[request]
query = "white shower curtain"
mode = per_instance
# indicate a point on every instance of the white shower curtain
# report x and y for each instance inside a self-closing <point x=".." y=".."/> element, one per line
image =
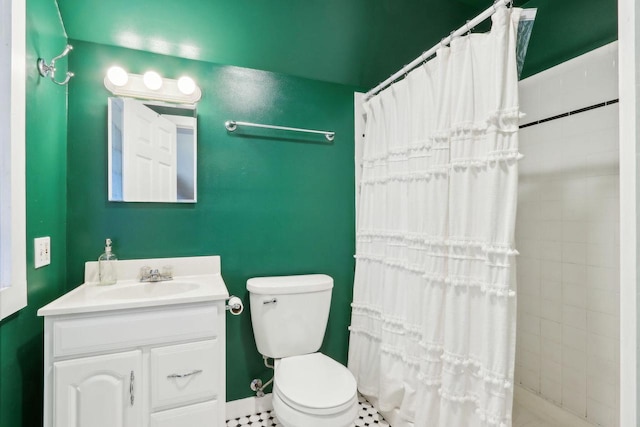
<point x="433" y="313"/>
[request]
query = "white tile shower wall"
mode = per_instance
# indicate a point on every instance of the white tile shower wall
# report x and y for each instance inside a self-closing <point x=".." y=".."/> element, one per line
<point x="586" y="80"/>
<point x="568" y="238"/>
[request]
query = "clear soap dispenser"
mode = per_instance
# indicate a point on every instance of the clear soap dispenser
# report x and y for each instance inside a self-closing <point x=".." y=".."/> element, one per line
<point x="107" y="265"/>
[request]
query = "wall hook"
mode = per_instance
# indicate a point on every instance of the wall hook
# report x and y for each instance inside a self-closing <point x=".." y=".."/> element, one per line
<point x="50" y="69"/>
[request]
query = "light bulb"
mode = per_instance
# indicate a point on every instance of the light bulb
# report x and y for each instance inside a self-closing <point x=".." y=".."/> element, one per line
<point x="117" y="75"/>
<point x="186" y="85"/>
<point x="152" y="80"/>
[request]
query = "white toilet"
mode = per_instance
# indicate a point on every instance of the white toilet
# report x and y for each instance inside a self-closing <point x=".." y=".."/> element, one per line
<point x="289" y="316"/>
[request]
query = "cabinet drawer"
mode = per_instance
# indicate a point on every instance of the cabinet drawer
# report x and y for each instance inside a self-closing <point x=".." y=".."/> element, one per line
<point x="104" y="332"/>
<point x="199" y="415"/>
<point x="184" y="373"/>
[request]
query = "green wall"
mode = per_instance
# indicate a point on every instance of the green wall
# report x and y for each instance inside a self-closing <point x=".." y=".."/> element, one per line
<point x="21" y="339"/>
<point x="354" y="42"/>
<point x="566" y="29"/>
<point x="268" y="204"/>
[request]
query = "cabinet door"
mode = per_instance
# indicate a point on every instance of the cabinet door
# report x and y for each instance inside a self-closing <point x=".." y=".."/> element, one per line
<point x="100" y="391"/>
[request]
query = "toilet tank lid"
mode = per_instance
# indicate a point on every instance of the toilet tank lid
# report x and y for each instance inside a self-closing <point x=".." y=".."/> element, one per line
<point x="290" y="284"/>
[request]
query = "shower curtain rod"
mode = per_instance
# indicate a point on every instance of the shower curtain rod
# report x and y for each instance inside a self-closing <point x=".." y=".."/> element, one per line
<point x="426" y="55"/>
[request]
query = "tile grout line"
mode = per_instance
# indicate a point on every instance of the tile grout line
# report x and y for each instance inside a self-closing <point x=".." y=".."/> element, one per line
<point x="570" y="113"/>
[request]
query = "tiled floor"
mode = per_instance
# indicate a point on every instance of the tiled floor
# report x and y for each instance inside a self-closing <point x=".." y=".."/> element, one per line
<point x="367" y="416"/>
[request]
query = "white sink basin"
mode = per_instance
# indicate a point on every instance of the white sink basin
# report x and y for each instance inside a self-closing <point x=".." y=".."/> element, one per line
<point x="196" y="279"/>
<point x="138" y="291"/>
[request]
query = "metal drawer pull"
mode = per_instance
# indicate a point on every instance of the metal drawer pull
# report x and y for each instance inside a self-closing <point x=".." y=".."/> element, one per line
<point x="270" y="301"/>
<point x="188" y="374"/>
<point x="132" y="388"/>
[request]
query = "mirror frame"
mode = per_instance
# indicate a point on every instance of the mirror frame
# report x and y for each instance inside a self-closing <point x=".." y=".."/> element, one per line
<point x="160" y="104"/>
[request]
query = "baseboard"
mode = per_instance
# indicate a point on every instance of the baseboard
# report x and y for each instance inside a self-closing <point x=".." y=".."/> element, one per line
<point x="248" y="406"/>
<point x="546" y="410"/>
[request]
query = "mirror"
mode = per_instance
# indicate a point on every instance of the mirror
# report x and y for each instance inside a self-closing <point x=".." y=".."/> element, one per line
<point x="152" y="151"/>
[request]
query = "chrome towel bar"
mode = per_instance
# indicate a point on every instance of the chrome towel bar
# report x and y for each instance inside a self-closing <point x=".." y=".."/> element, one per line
<point x="232" y="125"/>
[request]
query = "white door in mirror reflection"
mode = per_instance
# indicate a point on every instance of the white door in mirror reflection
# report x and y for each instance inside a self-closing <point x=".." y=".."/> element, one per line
<point x="151" y="155"/>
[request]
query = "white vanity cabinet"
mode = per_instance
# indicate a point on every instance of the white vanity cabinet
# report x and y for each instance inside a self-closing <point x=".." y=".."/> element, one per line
<point x="138" y="355"/>
<point x="156" y="366"/>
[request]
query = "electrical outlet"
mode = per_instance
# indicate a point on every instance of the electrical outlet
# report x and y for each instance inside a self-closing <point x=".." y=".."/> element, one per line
<point x="42" y="251"/>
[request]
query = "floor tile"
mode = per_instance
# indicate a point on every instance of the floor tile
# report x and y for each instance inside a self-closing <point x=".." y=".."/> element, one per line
<point x="367" y="416"/>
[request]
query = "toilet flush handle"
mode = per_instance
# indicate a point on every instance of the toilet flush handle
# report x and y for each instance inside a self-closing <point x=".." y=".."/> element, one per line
<point x="270" y="301"/>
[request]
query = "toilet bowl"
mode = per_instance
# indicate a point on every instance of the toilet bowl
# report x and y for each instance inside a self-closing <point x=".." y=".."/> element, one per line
<point x="314" y="390"/>
<point x="289" y="317"/>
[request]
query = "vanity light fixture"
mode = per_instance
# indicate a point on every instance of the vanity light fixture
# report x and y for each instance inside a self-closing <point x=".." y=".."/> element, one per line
<point x="186" y="85"/>
<point x="117" y="75"/>
<point x="152" y="86"/>
<point x="152" y="80"/>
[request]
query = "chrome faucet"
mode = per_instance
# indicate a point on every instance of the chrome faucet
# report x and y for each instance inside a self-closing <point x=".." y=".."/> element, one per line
<point x="147" y="274"/>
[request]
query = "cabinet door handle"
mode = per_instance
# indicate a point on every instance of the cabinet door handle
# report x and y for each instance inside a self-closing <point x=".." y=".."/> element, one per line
<point x="188" y="374"/>
<point x="132" y="396"/>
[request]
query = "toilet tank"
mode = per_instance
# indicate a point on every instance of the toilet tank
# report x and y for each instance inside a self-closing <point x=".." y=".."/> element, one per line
<point x="289" y="313"/>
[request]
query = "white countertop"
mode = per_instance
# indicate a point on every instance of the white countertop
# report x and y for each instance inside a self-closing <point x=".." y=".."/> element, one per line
<point x="196" y="279"/>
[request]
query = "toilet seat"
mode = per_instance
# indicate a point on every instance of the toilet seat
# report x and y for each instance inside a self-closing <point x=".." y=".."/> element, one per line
<point x="315" y="384"/>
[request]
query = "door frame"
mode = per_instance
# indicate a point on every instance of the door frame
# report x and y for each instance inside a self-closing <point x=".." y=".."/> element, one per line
<point x="628" y="66"/>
